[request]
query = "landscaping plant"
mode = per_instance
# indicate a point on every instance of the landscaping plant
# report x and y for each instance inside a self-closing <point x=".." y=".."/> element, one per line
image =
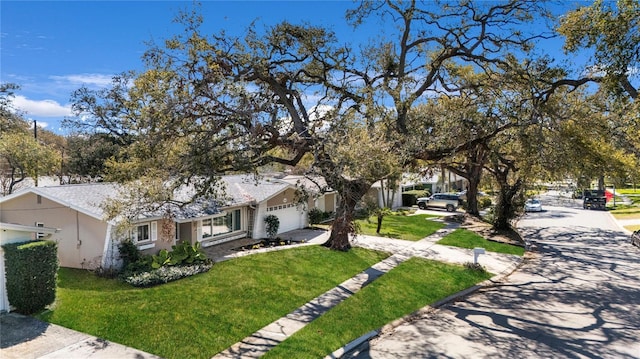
<point x="182" y="261"/>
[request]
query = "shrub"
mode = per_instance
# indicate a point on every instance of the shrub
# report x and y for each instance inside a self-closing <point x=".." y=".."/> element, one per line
<point x="151" y="269"/>
<point x="166" y="274"/>
<point x="129" y="253"/>
<point x="317" y="216"/>
<point x="31" y="271"/>
<point x="476" y="267"/>
<point x="273" y="224"/>
<point x="109" y="273"/>
<point x="484" y="202"/>
<point x="410" y="198"/>
<point x="182" y="253"/>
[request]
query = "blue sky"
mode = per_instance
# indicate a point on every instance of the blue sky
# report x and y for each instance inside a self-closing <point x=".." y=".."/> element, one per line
<point x="51" y="48"/>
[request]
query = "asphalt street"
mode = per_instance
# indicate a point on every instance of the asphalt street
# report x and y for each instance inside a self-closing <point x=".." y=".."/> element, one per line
<point x="577" y="295"/>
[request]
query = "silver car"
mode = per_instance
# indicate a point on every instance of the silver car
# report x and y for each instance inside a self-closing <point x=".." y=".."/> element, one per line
<point x="533" y="205"/>
<point x="447" y="201"/>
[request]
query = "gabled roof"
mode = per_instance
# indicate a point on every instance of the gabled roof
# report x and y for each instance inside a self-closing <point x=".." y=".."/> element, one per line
<point x="29" y="229"/>
<point x="90" y="198"/>
<point x="85" y="198"/>
<point x="248" y="189"/>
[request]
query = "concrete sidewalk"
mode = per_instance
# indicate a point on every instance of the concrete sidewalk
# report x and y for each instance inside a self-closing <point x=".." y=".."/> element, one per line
<point x="24" y="337"/>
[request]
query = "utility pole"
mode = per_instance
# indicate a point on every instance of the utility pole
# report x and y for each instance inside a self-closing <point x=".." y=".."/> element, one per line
<point x="35" y="136"/>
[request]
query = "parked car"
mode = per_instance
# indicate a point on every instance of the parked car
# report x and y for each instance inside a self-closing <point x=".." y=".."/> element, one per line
<point x="447" y="201"/>
<point x="533" y="205"/>
<point x="594" y="199"/>
<point x="635" y="238"/>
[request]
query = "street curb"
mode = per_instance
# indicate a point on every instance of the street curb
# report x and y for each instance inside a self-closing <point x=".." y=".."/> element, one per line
<point x="349" y="347"/>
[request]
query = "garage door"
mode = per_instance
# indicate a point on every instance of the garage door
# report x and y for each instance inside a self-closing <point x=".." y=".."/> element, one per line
<point x="290" y="217"/>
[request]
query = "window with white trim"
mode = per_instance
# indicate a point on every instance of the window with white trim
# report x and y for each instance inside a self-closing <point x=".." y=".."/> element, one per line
<point x="216" y="226"/>
<point x="145" y="232"/>
<point x="40" y="235"/>
<point x="282" y="206"/>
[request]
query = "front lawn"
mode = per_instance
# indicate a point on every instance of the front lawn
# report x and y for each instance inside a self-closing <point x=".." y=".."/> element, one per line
<point x="411" y="228"/>
<point x="199" y="316"/>
<point x="467" y="239"/>
<point x="410" y="286"/>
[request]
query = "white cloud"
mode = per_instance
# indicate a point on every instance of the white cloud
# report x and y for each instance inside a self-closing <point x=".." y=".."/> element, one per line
<point x="100" y="80"/>
<point x="41" y="124"/>
<point x="43" y="108"/>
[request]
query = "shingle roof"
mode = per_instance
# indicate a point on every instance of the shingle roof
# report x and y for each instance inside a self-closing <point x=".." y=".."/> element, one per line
<point x="87" y="198"/>
<point x="91" y="197"/>
<point x="315" y="184"/>
<point x="243" y="188"/>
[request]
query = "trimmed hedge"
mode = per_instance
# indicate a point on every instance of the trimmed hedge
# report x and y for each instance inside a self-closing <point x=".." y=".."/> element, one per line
<point x="410" y="198"/>
<point x="31" y="271"/>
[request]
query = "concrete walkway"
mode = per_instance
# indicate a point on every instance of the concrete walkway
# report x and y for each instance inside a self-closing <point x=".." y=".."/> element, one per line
<point x="24" y="337"/>
<point x="268" y="337"/>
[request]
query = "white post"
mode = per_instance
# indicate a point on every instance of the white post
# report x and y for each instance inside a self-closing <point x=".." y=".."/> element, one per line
<point x="476" y="253"/>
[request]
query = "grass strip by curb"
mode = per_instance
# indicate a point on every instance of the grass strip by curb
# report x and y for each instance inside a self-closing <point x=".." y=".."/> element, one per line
<point x="464" y="238"/>
<point x="410" y="228"/>
<point x="410" y="286"/>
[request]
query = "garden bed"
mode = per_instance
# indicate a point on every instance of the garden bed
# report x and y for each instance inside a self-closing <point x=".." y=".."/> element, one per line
<point x="266" y="243"/>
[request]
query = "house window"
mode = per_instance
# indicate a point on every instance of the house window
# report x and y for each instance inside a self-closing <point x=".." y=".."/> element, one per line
<point x="216" y="226"/>
<point x="145" y="232"/>
<point x="40" y="235"/>
<point x="142" y="233"/>
<point x="236" y="220"/>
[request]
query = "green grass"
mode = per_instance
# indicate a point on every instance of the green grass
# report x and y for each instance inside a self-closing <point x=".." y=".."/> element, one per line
<point x="200" y="316"/>
<point x="410" y="286"/>
<point x="628" y="191"/>
<point x="411" y="228"/>
<point x="467" y="239"/>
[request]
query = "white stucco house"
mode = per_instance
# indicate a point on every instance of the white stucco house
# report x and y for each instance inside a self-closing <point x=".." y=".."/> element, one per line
<point x="436" y="182"/>
<point x="88" y="240"/>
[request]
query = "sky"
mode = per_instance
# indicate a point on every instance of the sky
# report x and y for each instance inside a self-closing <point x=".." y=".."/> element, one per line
<point x="51" y="48"/>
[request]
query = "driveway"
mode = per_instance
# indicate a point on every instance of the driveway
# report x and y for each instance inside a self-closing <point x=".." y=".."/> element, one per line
<point x="576" y="296"/>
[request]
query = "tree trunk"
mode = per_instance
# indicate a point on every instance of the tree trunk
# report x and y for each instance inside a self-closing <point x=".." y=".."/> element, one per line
<point x="349" y="194"/>
<point x="601" y="183"/>
<point x="472" y="191"/>
<point x="471" y="170"/>
<point x="505" y="209"/>
<point x="380" y="217"/>
<point x="15" y="181"/>
<point x="341" y="228"/>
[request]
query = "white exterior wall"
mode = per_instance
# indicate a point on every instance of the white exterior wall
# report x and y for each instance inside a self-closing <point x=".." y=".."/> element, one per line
<point x="290" y="218"/>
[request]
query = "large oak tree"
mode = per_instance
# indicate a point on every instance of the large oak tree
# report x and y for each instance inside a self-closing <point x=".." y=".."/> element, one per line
<point x="211" y="103"/>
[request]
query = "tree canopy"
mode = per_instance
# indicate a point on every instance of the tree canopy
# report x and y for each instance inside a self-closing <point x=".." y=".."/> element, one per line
<point x="455" y="82"/>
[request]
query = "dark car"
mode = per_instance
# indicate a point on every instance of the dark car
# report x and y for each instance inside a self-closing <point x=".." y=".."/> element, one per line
<point x="594" y="199"/>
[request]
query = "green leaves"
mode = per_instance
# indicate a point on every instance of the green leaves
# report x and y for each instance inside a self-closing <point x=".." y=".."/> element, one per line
<point x="611" y="30"/>
<point x="25" y="157"/>
<point x="181" y="253"/>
